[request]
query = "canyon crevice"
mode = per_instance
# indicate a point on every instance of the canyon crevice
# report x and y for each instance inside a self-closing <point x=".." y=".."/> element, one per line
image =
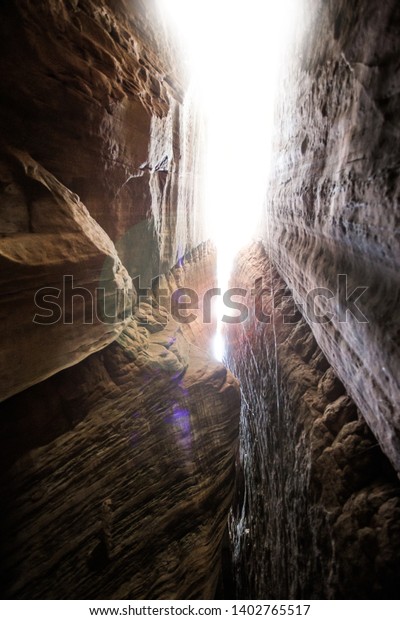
<point x="133" y="464"/>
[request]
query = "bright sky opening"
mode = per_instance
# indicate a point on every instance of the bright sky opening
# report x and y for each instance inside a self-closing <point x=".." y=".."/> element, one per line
<point x="232" y="49"/>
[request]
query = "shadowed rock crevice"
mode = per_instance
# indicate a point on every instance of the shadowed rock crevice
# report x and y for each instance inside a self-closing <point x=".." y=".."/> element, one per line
<point x="123" y="488"/>
<point x="313" y="485"/>
<point x="120" y="474"/>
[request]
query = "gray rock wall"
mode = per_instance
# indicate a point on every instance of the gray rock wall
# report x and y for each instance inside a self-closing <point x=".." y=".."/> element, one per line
<point x="332" y="204"/>
<point x="317" y="506"/>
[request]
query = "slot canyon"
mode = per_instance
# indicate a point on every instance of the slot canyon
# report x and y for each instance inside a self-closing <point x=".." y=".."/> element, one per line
<point x="134" y="463"/>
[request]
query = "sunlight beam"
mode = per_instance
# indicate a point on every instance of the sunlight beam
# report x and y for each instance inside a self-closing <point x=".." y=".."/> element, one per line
<point x="232" y="51"/>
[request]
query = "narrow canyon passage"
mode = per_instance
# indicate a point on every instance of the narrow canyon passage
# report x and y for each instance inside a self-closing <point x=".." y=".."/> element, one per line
<point x="199" y="250"/>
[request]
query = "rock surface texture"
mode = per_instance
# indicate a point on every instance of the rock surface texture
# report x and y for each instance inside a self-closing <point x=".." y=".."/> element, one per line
<point x="317" y="505"/>
<point x="334" y="193"/>
<point x="93" y="105"/>
<point x="118" y="461"/>
<point x="118" y="432"/>
<point x="117" y="474"/>
<point x="64" y="291"/>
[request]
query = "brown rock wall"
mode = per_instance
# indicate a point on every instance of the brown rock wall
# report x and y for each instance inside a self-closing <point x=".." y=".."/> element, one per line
<point x="92" y="99"/>
<point x="317" y="507"/>
<point x="52" y="252"/>
<point x="333" y="198"/>
<point x="117" y="474"/>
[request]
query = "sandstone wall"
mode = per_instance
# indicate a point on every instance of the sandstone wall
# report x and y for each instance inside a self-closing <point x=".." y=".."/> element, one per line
<point x="117" y="474"/>
<point x="333" y="199"/>
<point x="64" y="291"/>
<point x="117" y="464"/>
<point x="317" y="505"/>
<point x="93" y="106"/>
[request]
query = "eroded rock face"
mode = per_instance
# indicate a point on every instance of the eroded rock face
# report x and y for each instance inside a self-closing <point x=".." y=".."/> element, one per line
<point x="117" y="474"/>
<point x="95" y="114"/>
<point x="94" y="92"/>
<point x="195" y="277"/>
<point x="333" y="199"/>
<point x="317" y="507"/>
<point x="64" y="290"/>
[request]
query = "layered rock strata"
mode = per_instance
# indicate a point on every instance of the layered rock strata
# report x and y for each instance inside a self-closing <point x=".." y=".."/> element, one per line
<point x="333" y="199"/>
<point x="317" y="506"/>
<point x="94" y="120"/>
<point x="64" y="290"/>
<point x="95" y="92"/>
<point x="192" y="281"/>
<point x="118" y="463"/>
<point x="117" y="473"/>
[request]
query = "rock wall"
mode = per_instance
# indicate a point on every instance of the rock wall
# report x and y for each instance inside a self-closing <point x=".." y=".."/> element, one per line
<point x="64" y="291"/>
<point x="193" y="276"/>
<point x="333" y="199"/>
<point x="317" y="506"/>
<point x="117" y="463"/>
<point x="117" y="474"/>
<point x="94" y="102"/>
